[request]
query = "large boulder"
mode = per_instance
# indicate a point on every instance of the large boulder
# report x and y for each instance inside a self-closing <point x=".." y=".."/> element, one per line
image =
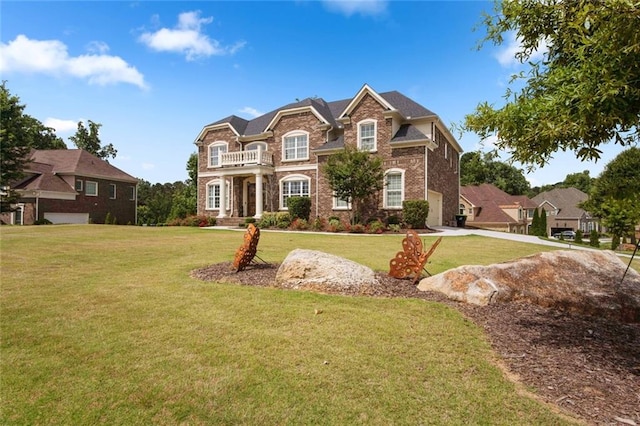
<point x="586" y="282"/>
<point x="325" y="273"/>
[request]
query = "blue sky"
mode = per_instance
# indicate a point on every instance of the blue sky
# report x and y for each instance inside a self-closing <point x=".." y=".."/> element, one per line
<point x="154" y="73"/>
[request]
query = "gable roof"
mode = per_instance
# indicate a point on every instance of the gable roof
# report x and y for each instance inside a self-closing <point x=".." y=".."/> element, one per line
<point x="328" y="112"/>
<point x="45" y="168"/>
<point x="490" y="202"/>
<point x="566" y="200"/>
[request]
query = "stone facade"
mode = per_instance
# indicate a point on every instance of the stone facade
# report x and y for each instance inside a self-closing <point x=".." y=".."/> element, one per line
<point x="429" y="162"/>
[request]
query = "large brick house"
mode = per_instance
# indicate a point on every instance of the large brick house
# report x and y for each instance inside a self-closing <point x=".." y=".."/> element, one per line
<point x="247" y="167"/>
<point x="72" y="186"/>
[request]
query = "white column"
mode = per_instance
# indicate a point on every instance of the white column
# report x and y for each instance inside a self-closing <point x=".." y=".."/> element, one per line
<point x="258" y="196"/>
<point x="223" y="197"/>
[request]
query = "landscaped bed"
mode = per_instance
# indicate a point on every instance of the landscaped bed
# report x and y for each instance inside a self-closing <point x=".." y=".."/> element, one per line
<point x="589" y="367"/>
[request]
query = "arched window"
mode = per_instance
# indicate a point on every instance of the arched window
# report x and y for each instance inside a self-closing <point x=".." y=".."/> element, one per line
<point x="253" y="146"/>
<point x="295" y="146"/>
<point x="216" y="149"/>
<point x="367" y="130"/>
<point x="393" y="188"/>
<point x="213" y="195"/>
<point x="293" y="186"/>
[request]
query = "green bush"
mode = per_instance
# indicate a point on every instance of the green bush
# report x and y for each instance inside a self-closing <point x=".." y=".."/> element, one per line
<point x="299" y="207"/>
<point x="248" y="220"/>
<point x="42" y="222"/>
<point x="594" y="239"/>
<point x="319" y="224"/>
<point x="578" y="239"/>
<point x="107" y="219"/>
<point x="268" y="220"/>
<point x="393" y="220"/>
<point x="394" y="227"/>
<point x="335" y="225"/>
<point x="415" y="213"/>
<point x="375" y="227"/>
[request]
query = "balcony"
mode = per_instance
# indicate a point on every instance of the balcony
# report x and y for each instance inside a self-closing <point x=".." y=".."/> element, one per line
<point x="246" y="158"/>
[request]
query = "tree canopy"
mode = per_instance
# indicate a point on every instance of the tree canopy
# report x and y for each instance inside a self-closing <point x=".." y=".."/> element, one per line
<point x="615" y="194"/>
<point x="586" y="90"/>
<point x="477" y="168"/>
<point x="19" y="133"/>
<point x="89" y="140"/>
<point x="354" y="176"/>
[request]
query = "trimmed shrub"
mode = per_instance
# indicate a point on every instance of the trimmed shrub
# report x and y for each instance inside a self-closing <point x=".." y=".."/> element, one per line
<point x="335" y="225"/>
<point x="268" y="220"/>
<point x="594" y="239"/>
<point x="578" y="239"/>
<point x="394" y="227"/>
<point x="375" y="227"/>
<point x="415" y="213"/>
<point x="319" y="224"/>
<point x="299" y="207"/>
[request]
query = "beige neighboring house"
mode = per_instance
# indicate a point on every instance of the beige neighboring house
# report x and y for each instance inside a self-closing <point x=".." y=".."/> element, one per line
<point x="247" y="167"/>
<point x="488" y="207"/>
<point x="564" y="213"/>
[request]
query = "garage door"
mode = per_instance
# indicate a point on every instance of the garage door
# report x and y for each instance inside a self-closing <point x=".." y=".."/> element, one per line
<point x="435" y="208"/>
<point x="67" y="217"/>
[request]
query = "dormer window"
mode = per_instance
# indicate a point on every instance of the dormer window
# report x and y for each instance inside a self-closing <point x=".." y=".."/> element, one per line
<point x="295" y="146"/>
<point x="216" y="150"/>
<point x="367" y="135"/>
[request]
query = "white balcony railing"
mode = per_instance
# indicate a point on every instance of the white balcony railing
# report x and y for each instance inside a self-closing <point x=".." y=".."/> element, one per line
<point x="247" y="158"/>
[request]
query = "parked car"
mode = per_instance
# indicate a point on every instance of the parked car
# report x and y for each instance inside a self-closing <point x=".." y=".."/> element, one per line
<point x="565" y="235"/>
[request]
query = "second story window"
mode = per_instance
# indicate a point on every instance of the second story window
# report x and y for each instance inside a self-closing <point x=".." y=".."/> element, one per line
<point x="91" y="188"/>
<point x="295" y="146"/>
<point x="216" y="150"/>
<point x="79" y="185"/>
<point x="367" y="136"/>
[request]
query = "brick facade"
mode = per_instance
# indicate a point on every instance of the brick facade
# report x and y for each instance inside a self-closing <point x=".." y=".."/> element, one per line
<point x="429" y="165"/>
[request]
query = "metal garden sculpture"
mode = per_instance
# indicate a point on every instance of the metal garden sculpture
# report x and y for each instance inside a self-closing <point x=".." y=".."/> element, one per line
<point x="411" y="260"/>
<point x="247" y="251"/>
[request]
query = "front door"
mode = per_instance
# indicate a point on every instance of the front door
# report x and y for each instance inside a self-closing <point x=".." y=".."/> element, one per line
<point x="251" y="199"/>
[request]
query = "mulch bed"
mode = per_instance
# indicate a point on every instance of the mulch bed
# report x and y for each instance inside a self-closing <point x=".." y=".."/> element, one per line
<point x="588" y="367"/>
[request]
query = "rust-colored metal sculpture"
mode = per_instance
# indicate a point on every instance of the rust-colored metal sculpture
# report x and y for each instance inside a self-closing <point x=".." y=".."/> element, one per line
<point x="247" y="251"/>
<point x="411" y="259"/>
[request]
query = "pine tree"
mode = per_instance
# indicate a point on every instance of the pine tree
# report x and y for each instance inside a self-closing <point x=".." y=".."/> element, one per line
<point x="535" y="223"/>
<point x="543" y="223"/>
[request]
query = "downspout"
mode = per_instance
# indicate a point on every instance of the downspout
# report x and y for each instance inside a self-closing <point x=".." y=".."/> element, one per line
<point x="37" y="194"/>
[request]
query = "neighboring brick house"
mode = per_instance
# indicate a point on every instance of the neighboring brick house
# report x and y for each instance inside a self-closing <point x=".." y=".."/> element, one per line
<point x="72" y="186"/>
<point x="252" y="166"/>
<point x="563" y="211"/>
<point x="488" y="207"/>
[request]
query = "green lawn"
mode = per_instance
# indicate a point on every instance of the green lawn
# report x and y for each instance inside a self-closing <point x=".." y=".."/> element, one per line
<point x="103" y="325"/>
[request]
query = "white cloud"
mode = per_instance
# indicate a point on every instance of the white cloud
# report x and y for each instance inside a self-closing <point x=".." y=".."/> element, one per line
<point x="51" y="57"/>
<point x="352" y="7"/>
<point x="187" y="38"/>
<point x="62" y="126"/>
<point x="251" y="111"/>
<point x="506" y="55"/>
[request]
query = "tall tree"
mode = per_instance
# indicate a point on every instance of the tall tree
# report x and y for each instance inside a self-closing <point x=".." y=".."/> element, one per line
<point x="615" y="194"/>
<point x="477" y="168"/>
<point x="581" y="181"/>
<point x="354" y="176"/>
<point x="586" y="90"/>
<point x="89" y="140"/>
<point x="19" y="133"/>
<point x="184" y="199"/>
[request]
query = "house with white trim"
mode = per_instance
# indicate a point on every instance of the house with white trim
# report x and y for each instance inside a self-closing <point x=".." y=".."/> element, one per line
<point x="247" y="167"/>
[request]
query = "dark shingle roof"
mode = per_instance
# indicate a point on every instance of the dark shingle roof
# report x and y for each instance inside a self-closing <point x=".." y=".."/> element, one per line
<point x="566" y="200"/>
<point x="337" y="143"/>
<point x="408" y="132"/>
<point x="407" y="107"/>
<point x="330" y="111"/>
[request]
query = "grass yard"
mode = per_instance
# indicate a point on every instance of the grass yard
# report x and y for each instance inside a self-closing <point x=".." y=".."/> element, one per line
<point x="103" y="325"/>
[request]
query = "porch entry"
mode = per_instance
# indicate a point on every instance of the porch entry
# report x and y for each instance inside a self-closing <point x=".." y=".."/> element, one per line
<point x="249" y="199"/>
